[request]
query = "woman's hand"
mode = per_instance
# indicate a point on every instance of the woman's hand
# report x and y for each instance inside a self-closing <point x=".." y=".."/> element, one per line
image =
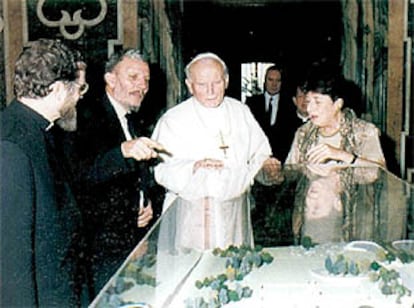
<point x="322" y="153"/>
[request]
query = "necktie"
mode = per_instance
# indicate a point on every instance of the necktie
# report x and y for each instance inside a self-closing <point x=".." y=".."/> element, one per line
<point x="140" y="198"/>
<point x="132" y="124"/>
<point x="270" y="109"/>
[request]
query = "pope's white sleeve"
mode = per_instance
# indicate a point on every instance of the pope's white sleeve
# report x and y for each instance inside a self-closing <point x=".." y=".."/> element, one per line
<point x="174" y="172"/>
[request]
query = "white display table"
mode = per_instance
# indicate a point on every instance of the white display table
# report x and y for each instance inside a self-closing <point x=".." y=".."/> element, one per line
<point x="160" y="273"/>
<point x="297" y="278"/>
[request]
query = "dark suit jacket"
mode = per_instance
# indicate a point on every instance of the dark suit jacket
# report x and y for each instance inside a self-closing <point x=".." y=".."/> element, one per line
<point x="107" y="187"/>
<point x="282" y="132"/>
<point x="39" y="220"/>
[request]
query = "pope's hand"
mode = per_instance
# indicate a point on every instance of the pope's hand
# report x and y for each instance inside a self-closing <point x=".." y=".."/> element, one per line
<point x="142" y="148"/>
<point x="272" y="168"/>
<point x="145" y="215"/>
<point x="208" y="163"/>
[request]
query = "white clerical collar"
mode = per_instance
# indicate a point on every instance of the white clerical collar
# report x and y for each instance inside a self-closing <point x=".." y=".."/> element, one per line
<point x="302" y="117"/>
<point x="51" y="124"/>
<point x="209" y="109"/>
<point x="213" y="118"/>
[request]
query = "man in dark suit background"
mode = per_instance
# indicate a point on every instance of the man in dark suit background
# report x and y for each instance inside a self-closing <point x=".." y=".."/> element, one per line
<point x="273" y="110"/>
<point x="276" y="114"/>
<point x="40" y="222"/>
<point x="115" y="186"/>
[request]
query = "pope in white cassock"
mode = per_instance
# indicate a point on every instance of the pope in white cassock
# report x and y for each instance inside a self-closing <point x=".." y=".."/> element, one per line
<point x="218" y="149"/>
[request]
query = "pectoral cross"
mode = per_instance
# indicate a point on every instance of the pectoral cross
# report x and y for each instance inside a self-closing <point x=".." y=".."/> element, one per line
<point x="223" y="145"/>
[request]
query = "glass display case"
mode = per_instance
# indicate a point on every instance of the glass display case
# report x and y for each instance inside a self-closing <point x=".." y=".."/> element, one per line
<point x="346" y="224"/>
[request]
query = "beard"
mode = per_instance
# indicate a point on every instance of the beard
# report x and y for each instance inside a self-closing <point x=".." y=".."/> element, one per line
<point x="68" y="122"/>
<point x="68" y="114"/>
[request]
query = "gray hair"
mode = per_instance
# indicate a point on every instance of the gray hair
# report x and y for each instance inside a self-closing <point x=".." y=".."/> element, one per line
<point x="206" y="55"/>
<point x="120" y="55"/>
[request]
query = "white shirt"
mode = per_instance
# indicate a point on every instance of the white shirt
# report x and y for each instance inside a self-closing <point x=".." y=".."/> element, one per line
<point x="120" y="112"/>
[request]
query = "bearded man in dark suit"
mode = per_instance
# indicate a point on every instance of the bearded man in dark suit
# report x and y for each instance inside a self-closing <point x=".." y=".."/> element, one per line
<point x="40" y="222"/>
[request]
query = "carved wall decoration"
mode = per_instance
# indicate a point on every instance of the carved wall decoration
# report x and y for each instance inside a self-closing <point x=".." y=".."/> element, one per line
<point x="66" y="20"/>
<point x="76" y="21"/>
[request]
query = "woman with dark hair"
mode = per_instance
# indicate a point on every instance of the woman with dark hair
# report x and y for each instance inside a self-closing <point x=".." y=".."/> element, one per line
<point x="333" y="133"/>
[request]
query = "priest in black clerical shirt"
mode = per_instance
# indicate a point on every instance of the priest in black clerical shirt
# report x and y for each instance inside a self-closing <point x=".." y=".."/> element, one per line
<point x="112" y="158"/>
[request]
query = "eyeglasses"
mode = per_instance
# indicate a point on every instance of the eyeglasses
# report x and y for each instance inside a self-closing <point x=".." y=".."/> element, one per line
<point x="83" y="88"/>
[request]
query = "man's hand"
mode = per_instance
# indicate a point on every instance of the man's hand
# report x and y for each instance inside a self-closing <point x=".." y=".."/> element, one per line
<point x="142" y="148"/>
<point x="144" y="215"/>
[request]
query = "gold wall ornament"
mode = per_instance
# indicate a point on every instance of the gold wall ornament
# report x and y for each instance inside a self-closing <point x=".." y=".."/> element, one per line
<point x="68" y="21"/>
